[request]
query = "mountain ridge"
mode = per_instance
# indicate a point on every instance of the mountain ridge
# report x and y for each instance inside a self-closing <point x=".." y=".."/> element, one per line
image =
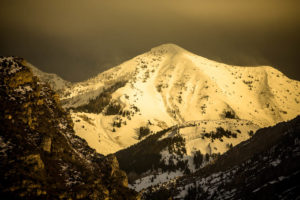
<point x="169" y="85"/>
<point x="56" y="82"/>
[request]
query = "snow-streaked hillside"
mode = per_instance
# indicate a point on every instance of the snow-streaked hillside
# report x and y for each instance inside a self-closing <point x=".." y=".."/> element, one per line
<point x="169" y="85"/>
<point x="181" y="150"/>
<point x="263" y="167"/>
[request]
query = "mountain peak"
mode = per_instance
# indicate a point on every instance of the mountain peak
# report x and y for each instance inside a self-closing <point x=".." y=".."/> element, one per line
<point x="168" y="48"/>
<point x="169" y="85"/>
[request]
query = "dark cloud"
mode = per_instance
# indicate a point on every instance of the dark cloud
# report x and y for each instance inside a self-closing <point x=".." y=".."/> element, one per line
<point x="78" y="39"/>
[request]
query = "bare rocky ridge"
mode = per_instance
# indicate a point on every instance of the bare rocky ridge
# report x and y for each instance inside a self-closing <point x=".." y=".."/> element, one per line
<point x="41" y="157"/>
<point x="56" y="83"/>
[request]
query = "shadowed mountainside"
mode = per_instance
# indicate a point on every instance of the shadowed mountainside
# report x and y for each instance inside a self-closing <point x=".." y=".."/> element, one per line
<point x="263" y="167"/>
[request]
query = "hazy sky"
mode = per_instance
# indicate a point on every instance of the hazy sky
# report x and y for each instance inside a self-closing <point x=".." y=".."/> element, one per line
<point x="78" y="39"/>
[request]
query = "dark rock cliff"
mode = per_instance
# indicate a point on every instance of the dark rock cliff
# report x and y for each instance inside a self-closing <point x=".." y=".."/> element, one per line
<point x="41" y="157"/>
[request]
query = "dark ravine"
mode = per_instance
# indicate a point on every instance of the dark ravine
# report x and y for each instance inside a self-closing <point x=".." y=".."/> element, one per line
<point x="267" y="166"/>
<point x="41" y="157"/>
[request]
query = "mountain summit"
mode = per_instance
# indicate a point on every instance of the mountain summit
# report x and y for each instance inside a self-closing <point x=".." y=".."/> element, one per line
<point x="169" y="85"/>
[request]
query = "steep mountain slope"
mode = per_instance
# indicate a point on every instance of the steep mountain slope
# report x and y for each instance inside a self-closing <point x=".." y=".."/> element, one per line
<point x="56" y="83"/>
<point x="263" y="167"/>
<point x="181" y="150"/>
<point x="41" y="157"/>
<point x="169" y="85"/>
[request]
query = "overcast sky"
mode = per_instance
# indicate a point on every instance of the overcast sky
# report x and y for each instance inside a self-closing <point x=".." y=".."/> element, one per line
<point x="77" y="39"/>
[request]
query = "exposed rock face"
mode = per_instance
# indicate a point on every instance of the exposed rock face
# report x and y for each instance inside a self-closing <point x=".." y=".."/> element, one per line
<point x="35" y="161"/>
<point x="46" y="144"/>
<point x="41" y="158"/>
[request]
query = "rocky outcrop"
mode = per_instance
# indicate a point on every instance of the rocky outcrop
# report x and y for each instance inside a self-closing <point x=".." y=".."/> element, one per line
<point x="41" y="158"/>
<point x="46" y="144"/>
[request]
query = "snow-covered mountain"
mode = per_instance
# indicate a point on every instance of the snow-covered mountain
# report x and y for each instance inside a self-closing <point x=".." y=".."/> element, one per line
<point x="172" y="112"/>
<point x="221" y="155"/>
<point x="168" y="86"/>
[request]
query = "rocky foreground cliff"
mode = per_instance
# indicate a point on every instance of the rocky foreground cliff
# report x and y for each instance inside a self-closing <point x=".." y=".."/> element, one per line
<point x="41" y="157"/>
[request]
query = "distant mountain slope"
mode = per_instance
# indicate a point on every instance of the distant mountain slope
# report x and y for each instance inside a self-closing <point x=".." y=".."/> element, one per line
<point x="267" y="166"/>
<point x="169" y="85"/>
<point x="56" y="83"/>
<point x="41" y="157"/>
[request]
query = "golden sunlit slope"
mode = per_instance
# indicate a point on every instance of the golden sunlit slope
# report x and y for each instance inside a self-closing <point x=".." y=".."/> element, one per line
<point x="169" y="85"/>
